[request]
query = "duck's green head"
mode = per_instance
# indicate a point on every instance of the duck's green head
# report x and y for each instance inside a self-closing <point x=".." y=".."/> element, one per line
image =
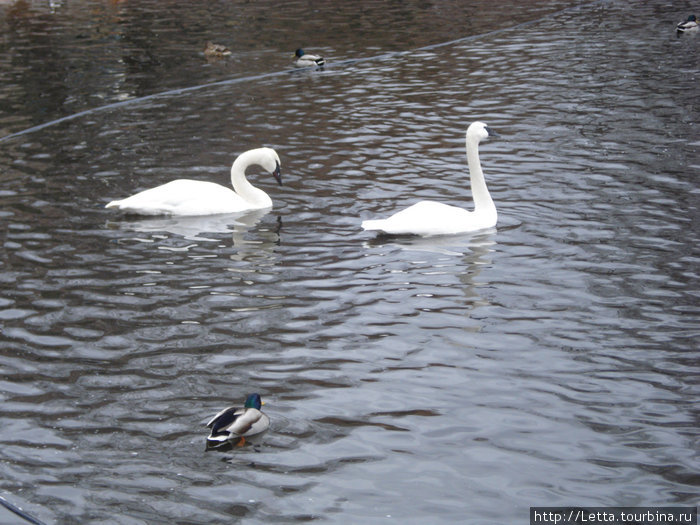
<point x="253" y="401"/>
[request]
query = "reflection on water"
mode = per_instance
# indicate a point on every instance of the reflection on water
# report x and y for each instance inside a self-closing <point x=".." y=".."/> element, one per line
<point x="454" y="379"/>
<point x="190" y="227"/>
<point x="476" y="243"/>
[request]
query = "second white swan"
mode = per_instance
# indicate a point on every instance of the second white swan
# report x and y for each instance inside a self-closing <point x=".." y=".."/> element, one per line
<point x="194" y="197"/>
<point x="435" y="218"/>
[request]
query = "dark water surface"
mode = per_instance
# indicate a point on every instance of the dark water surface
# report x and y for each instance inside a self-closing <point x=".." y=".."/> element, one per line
<point x="550" y="361"/>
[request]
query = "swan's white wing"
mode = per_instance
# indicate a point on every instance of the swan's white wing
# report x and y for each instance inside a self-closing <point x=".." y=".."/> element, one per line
<point x="423" y="218"/>
<point x="182" y="197"/>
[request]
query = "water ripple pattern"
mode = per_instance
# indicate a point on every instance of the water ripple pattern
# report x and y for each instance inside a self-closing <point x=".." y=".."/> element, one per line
<point x="550" y="361"/>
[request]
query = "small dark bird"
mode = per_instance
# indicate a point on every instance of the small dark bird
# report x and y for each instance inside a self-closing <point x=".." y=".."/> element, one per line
<point x="212" y="50"/>
<point x="301" y="59"/>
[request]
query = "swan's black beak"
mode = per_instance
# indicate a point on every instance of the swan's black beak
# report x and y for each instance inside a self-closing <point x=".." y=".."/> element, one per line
<point x="491" y="132"/>
<point x="277" y="174"/>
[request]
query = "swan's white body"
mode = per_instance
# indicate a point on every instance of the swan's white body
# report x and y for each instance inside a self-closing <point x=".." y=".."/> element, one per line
<point x="435" y="218"/>
<point x="301" y="59"/>
<point x="193" y="197"/>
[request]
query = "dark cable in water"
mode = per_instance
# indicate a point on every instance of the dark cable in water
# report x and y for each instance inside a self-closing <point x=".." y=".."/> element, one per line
<point x="14" y="508"/>
<point x="230" y="81"/>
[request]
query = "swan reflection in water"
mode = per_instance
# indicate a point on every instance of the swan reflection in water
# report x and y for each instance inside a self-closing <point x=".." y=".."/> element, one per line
<point x="197" y="228"/>
<point x="461" y="244"/>
<point x="453" y="264"/>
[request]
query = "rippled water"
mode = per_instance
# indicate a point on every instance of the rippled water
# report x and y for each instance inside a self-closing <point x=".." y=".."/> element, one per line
<point x="552" y="361"/>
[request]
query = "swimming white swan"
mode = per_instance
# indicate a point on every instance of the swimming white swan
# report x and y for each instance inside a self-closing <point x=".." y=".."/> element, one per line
<point x="301" y="59"/>
<point x="434" y="218"/>
<point x="193" y="197"/>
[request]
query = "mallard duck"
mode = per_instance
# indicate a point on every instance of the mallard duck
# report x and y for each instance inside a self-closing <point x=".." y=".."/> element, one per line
<point x="234" y="424"/>
<point x="691" y="24"/>
<point x="212" y="50"/>
<point x="301" y="59"/>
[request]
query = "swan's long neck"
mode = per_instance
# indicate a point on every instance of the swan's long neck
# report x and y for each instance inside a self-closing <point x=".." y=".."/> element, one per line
<point x="241" y="186"/>
<point x="482" y="198"/>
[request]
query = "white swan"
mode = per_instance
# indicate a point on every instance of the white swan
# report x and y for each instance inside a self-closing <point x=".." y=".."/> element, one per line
<point x="434" y="218"/>
<point x="301" y="59"/>
<point x="193" y="197"/>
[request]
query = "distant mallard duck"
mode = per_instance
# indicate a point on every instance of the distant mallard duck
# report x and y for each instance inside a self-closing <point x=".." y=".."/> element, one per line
<point x="301" y="59"/>
<point x="234" y="424"/>
<point x="212" y="50"/>
<point x="691" y="24"/>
